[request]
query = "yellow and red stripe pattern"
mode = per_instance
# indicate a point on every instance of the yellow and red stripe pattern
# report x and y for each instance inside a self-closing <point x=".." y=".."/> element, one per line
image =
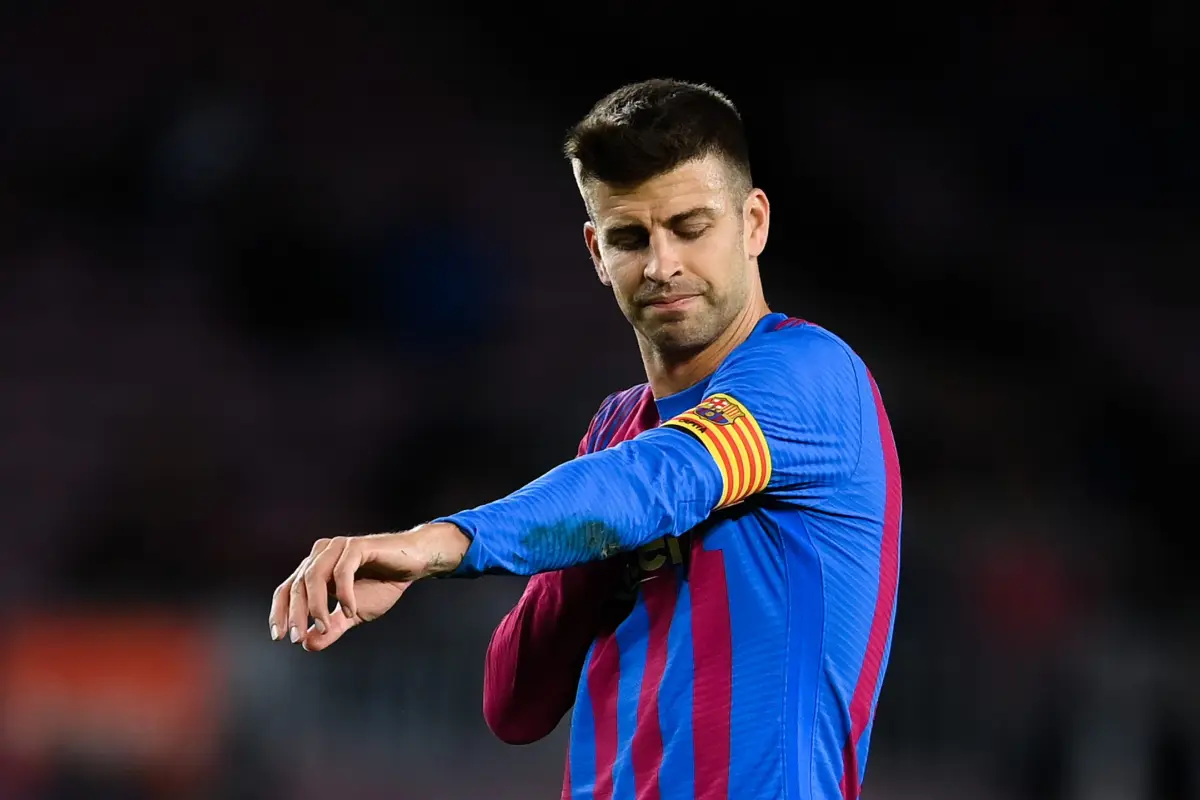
<point x="736" y="442"/>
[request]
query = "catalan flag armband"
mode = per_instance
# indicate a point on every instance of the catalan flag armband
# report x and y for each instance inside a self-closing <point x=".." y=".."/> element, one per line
<point x="732" y="436"/>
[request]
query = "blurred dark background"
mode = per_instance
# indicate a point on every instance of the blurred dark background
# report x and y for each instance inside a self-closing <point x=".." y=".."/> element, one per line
<point x="268" y="274"/>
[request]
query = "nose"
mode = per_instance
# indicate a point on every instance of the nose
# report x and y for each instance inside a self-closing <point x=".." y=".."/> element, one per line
<point x="664" y="263"/>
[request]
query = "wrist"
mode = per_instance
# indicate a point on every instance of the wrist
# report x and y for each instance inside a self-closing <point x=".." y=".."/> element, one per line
<point x="440" y="547"/>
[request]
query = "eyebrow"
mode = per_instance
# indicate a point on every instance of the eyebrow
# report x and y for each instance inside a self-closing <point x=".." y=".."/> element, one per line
<point x="677" y="219"/>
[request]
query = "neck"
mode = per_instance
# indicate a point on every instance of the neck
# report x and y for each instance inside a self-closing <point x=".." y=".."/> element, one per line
<point x="669" y="374"/>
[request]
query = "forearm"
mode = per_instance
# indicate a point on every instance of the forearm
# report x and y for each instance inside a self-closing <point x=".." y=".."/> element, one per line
<point x="593" y="508"/>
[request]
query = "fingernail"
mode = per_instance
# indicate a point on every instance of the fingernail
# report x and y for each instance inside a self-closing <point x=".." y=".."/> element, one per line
<point x="295" y="634"/>
<point x="320" y="626"/>
<point x="274" y="633"/>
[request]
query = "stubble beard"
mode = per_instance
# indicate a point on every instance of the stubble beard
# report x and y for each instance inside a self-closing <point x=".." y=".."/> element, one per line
<point x="673" y="341"/>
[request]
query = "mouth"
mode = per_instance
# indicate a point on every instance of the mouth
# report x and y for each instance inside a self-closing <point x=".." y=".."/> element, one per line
<point x="673" y="302"/>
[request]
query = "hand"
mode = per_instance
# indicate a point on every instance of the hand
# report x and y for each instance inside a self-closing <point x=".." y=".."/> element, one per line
<point x="367" y="574"/>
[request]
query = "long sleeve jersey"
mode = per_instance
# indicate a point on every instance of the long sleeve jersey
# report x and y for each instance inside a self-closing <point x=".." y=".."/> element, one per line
<point x="752" y="524"/>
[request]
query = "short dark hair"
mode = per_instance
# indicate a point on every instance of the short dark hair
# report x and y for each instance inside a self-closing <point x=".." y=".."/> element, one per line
<point x="645" y="129"/>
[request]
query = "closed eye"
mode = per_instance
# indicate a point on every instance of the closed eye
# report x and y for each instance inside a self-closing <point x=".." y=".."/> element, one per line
<point x="629" y="239"/>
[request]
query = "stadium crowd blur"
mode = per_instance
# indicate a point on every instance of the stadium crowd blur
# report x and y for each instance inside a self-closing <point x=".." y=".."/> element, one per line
<point x="267" y="279"/>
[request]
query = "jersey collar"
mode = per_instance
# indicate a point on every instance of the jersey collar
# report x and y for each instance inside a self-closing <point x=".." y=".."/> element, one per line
<point x="675" y="404"/>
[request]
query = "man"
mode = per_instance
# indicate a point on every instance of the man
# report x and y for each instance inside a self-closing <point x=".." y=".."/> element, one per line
<point x="715" y="575"/>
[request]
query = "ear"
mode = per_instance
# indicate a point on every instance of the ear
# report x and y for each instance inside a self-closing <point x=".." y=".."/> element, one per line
<point x="592" y="239"/>
<point x="756" y="222"/>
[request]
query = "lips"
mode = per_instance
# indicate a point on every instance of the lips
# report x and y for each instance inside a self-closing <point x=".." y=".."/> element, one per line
<point x="669" y="300"/>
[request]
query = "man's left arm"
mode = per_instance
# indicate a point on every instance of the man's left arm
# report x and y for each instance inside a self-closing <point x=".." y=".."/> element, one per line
<point x="783" y="416"/>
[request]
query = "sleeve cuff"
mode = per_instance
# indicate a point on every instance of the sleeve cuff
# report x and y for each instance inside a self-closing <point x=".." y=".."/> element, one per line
<point x="473" y="564"/>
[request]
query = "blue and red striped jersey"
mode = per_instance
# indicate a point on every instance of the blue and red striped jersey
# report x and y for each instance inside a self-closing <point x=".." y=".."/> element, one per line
<point x="759" y="514"/>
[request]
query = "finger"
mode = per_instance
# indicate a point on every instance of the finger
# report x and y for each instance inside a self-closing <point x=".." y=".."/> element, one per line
<point x="317" y="578"/>
<point x="297" y="621"/>
<point x="279" y="608"/>
<point x="281" y="598"/>
<point x="349" y="560"/>
<point x="339" y="623"/>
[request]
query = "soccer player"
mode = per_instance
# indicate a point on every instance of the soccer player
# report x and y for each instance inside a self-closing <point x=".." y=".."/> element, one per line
<point x="715" y="574"/>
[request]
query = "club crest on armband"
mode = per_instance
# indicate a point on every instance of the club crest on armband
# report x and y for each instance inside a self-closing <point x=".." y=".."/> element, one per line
<point x="720" y="410"/>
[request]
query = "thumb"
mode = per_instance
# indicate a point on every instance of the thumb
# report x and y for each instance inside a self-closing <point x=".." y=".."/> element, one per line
<point x="339" y="623"/>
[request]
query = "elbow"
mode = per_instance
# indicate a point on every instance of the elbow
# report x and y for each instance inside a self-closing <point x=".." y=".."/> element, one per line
<point x="515" y="711"/>
<point x="513" y="724"/>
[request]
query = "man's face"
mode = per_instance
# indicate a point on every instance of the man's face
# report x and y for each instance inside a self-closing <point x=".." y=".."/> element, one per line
<point x="678" y="251"/>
